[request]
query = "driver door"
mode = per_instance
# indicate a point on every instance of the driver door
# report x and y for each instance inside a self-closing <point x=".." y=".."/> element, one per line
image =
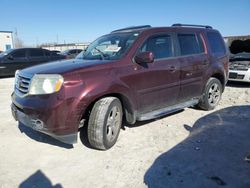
<point x="14" y="61"/>
<point x="158" y="83"/>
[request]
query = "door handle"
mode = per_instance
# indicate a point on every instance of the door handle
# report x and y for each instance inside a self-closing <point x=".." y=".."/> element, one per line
<point x="172" y="68"/>
<point x="2" y="67"/>
<point x="204" y="63"/>
<point x="189" y="74"/>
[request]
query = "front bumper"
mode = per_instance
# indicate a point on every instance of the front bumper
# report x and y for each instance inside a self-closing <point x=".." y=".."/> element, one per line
<point x="39" y="125"/>
<point x="239" y="75"/>
<point x="47" y="115"/>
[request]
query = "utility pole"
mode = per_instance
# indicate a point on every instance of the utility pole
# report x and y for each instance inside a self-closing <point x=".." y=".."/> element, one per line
<point x="37" y="42"/>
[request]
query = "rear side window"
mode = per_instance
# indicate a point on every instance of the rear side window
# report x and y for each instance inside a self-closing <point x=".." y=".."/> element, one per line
<point x="18" y="54"/>
<point x="216" y="43"/>
<point x="36" y="52"/>
<point x="161" y="46"/>
<point x="190" y="44"/>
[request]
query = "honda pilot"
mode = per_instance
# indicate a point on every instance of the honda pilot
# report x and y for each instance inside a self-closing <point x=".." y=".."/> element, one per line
<point x="132" y="74"/>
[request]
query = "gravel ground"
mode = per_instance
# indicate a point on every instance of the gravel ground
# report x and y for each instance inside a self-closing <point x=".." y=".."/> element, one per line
<point x="192" y="148"/>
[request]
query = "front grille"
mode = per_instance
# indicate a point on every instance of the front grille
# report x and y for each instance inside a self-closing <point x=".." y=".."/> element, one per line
<point x="238" y="68"/>
<point x="22" y="84"/>
<point x="233" y="75"/>
<point x="239" y="65"/>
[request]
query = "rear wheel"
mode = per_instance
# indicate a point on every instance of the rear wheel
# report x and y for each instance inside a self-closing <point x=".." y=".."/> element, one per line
<point x="104" y="123"/>
<point x="211" y="95"/>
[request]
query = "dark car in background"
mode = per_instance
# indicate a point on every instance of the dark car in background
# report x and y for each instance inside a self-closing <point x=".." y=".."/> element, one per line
<point x="14" y="59"/>
<point x="71" y="53"/>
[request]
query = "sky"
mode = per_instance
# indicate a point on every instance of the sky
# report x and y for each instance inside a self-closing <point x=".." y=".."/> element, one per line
<point x="64" y="21"/>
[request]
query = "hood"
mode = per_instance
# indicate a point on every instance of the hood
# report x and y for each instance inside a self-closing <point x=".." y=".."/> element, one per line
<point x="60" y="67"/>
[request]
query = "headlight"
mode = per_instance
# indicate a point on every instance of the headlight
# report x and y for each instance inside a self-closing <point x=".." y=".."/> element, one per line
<point x="45" y="84"/>
<point x="16" y="74"/>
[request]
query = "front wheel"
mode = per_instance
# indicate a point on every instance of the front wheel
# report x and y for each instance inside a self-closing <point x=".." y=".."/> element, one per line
<point x="211" y="95"/>
<point x="104" y="123"/>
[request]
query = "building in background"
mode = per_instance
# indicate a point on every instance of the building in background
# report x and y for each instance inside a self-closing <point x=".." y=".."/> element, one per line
<point x="62" y="47"/>
<point x="6" y="40"/>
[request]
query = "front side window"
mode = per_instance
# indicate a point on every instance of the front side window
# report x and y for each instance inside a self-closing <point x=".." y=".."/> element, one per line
<point x="190" y="44"/>
<point x="161" y="46"/>
<point x="18" y="54"/>
<point x="109" y="47"/>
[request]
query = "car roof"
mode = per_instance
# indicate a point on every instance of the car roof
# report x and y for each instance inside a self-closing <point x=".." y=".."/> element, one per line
<point x="174" y="27"/>
<point x="28" y="48"/>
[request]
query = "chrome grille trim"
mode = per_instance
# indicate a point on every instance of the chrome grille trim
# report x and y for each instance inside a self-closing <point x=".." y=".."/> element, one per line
<point x="22" y="84"/>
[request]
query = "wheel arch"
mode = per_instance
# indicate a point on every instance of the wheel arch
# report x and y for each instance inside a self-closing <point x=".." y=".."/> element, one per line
<point x="221" y="78"/>
<point x="128" y="109"/>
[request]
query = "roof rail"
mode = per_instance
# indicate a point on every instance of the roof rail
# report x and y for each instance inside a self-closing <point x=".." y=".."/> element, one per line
<point x="191" y="25"/>
<point x="132" y="28"/>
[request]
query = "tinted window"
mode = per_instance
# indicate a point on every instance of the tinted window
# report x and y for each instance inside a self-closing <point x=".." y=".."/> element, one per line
<point x="161" y="46"/>
<point x="216" y="42"/>
<point x="189" y="44"/>
<point x="36" y="52"/>
<point x="72" y="51"/>
<point x="18" y="54"/>
<point x="47" y="53"/>
<point x="54" y="53"/>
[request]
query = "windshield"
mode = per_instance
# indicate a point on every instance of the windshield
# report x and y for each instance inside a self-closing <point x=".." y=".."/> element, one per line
<point x="109" y="47"/>
<point x="5" y="53"/>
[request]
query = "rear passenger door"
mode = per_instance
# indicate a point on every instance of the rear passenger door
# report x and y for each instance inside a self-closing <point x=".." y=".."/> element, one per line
<point x="157" y="83"/>
<point x="193" y="64"/>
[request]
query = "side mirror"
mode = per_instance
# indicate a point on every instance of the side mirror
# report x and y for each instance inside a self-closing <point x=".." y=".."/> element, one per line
<point x="145" y="57"/>
<point x="10" y="57"/>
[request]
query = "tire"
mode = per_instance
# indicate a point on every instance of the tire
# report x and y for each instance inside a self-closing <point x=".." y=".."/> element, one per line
<point x="104" y="123"/>
<point x="212" y="94"/>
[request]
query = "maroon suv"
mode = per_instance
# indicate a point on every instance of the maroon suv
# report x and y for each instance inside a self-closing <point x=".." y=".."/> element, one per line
<point x="131" y="74"/>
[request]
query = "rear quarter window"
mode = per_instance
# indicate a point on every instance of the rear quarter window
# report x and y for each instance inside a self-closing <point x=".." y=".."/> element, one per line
<point x="216" y="43"/>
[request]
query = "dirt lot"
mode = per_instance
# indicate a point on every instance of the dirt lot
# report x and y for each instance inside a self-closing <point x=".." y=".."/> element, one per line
<point x="192" y="148"/>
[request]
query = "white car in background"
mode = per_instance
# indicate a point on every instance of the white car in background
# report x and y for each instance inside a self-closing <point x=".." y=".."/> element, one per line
<point x="239" y="67"/>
